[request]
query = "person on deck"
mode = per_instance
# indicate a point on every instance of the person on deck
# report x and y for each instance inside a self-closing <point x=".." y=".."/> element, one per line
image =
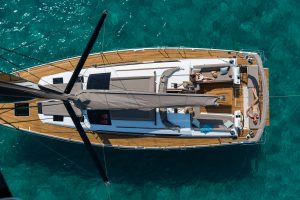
<point x="253" y="111"/>
<point x="199" y="77"/>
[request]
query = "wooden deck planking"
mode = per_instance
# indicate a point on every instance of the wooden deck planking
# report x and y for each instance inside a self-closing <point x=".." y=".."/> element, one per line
<point x="266" y="70"/>
<point x="121" y="57"/>
<point x="70" y="134"/>
<point x="33" y="124"/>
<point x="220" y="89"/>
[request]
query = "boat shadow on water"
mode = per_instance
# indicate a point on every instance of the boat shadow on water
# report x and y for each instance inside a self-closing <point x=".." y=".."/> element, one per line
<point x="183" y="166"/>
<point x="172" y="167"/>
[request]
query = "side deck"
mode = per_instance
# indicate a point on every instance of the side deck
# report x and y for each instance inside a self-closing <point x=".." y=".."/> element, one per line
<point x="32" y="123"/>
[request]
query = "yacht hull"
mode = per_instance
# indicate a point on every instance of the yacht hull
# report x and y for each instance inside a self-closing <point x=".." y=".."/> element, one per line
<point x="33" y="124"/>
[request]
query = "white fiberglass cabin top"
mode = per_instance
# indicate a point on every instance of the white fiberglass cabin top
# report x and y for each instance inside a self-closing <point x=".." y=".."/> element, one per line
<point x="174" y="76"/>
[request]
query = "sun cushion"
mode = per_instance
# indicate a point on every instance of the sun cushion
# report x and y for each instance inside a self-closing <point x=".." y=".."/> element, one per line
<point x="228" y="124"/>
<point x="223" y="70"/>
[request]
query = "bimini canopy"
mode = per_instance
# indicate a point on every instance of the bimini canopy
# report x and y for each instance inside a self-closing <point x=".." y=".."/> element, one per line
<point x="119" y="100"/>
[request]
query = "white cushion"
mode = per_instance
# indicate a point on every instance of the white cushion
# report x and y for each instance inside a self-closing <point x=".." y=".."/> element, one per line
<point x="223" y="70"/>
<point x="228" y="124"/>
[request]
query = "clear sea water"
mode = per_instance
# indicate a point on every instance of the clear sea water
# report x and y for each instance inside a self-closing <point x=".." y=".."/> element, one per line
<point x="39" y="168"/>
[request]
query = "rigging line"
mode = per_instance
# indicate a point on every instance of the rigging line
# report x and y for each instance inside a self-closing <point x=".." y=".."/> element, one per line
<point x="32" y="58"/>
<point x="124" y="88"/>
<point x="285" y="96"/>
<point x="33" y="120"/>
<point x="17" y="66"/>
<point x="71" y="64"/>
<point x="104" y="159"/>
<point x="106" y="171"/>
<point x="24" y="45"/>
<point x="2" y="106"/>
<point x="6" y="110"/>
<point x="102" y="55"/>
<point x="61" y="155"/>
<point x="103" y="35"/>
<point x="6" y="122"/>
<point x="118" y="87"/>
<point x="107" y="186"/>
<point x="9" y="109"/>
<point x="51" y="149"/>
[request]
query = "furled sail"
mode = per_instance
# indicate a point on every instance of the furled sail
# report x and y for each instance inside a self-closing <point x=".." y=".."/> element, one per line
<point x="112" y="99"/>
<point x="14" y="86"/>
<point x="119" y="100"/>
<point x="18" y="90"/>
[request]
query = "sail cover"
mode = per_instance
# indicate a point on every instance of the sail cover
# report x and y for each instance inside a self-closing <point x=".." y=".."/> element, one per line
<point x="119" y="100"/>
<point x="14" y="90"/>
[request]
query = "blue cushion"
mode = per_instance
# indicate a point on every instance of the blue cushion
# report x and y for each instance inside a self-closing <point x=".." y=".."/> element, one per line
<point x="206" y="128"/>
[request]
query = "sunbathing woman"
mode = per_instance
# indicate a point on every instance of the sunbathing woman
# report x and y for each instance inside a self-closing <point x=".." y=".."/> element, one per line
<point x="253" y="111"/>
<point x="199" y="77"/>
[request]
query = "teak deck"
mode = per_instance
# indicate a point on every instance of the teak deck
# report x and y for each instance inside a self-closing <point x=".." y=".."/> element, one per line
<point x="33" y="124"/>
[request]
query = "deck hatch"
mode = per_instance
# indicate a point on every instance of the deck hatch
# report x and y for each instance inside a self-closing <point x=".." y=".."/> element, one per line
<point x="58" y="118"/>
<point x="59" y="80"/>
<point x="81" y="119"/>
<point x="21" y="109"/>
<point x="98" y="81"/>
<point x="101" y="117"/>
<point x="40" y="108"/>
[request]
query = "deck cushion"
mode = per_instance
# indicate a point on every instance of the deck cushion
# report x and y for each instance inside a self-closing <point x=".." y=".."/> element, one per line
<point x="228" y="124"/>
<point x="252" y="76"/>
<point x="224" y="70"/>
<point x="251" y="99"/>
<point x="57" y="108"/>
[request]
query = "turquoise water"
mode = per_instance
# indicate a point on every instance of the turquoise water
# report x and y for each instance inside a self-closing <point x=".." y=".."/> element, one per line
<point x="39" y="168"/>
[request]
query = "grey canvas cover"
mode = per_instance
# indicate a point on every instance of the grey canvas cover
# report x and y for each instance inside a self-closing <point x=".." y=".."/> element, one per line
<point x="61" y="87"/>
<point x="210" y="67"/>
<point x="118" y="100"/>
<point x="253" y="76"/>
<point x="57" y="108"/>
<point x="142" y="84"/>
